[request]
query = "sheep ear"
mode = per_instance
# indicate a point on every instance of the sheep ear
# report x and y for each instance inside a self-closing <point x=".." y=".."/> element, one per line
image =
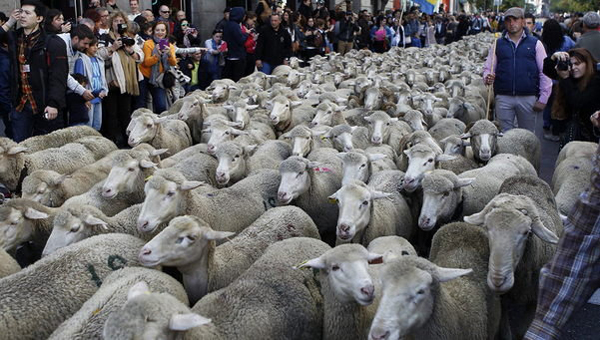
<point x="465" y="135"/>
<point x="158" y="152"/>
<point x="447" y="274"/>
<point x="463" y="182"/>
<point x="333" y="199"/>
<point x="376" y="156"/>
<point x="217" y="235"/>
<point x="341" y="155"/>
<point x="159" y="120"/>
<point x="477" y="218"/>
<point x="395" y="119"/>
<point x="146" y="164"/>
<point x="379" y="194"/>
<point x="237" y="132"/>
<point x="183" y="322"/>
<point x="249" y="149"/>
<point x="444" y="158"/>
<point x="367" y="118"/>
<point x="33" y="214"/>
<point x="296" y="103"/>
<point x="15" y="150"/>
<point x="542" y="232"/>
<point x="59" y="180"/>
<point x="138" y="289"/>
<point x="189" y="185"/>
<point x="316" y="263"/>
<point x="251" y="107"/>
<point x="375" y="258"/>
<point x="95" y="221"/>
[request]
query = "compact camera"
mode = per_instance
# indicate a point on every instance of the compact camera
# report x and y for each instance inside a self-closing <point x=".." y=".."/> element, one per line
<point x="563" y="65"/>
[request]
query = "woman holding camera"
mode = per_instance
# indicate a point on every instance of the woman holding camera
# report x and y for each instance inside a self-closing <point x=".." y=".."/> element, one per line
<point x="577" y="93"/>
<point x="159" y="56"/>
<point x="121" y="56"/>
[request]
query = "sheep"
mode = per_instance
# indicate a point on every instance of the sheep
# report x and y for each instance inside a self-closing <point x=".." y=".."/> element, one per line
<point x="421" y="159"/>
<point x="206" y="268"/>
<point x="36" y="300"/>
<point x="489" y="178"/>
<point x="414" y="119"/>
<point x="53" y="189"/>
<point x="88" y="322"/>
<point x="363" y="213"/>
<point x="237" y="161"/>
<point x="309" y="183"/>
<point x="220" y="89"/>
<point x="161" y="133"/>
<point x="447" y="127"/>
<point x="416" y="304"/>
<point x="571" y="177"/>
<point x="221" y="132"/>
<point x="65" y="159"/>
<point x="374" y="97"/>
<point x="454" y="145"/>
<point x="192" y="112"/>
<point x="465" y="111"/>
<point x="271" y="300"/>
<point x="74" y="224"/>
<point x="523" y="226"/>
<point x="55" y="139"/>
<point x="360" y="165"/>
<point x="442" y="198"/>
<point x="329" y="114"/>
<point x="23" y="220"/>
<point x="183" y="155"/>
<point x="384" y="129"/>
<point x="412" y="139"/>
<point x="304" y="140"/>
<point x="8" y="265"/>
<point x="391" y="247"/>
<point x="348" y="285"/>
<point x="576" y="149"/>
<point x="346" y="138"/>
<point x="169" y="194"/>
<point x="284" y="118"/>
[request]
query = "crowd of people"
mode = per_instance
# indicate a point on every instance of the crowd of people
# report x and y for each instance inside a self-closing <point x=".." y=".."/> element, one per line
<point x="117" y="60"/>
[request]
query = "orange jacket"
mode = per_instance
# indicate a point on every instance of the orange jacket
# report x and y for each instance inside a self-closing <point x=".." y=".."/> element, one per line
<point x="150" y="60"/>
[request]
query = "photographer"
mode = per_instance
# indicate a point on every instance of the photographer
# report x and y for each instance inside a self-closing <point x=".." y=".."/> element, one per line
<point x="121" y="56"/>
<point x="159" y="53"/>
<point x="55" y="22"/>
<point x="577" y="95"/>
<point x="344" y="31"/>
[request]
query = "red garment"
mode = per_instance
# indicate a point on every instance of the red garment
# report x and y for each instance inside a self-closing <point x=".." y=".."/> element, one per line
<point x="250" y="43"/>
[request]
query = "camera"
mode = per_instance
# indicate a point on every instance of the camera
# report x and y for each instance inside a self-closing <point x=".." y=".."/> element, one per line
<point x="563" y="65"/>
<point x="127" y="41"/>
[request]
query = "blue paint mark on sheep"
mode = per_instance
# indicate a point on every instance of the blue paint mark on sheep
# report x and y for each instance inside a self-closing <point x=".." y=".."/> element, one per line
<point x="116" y="262"/>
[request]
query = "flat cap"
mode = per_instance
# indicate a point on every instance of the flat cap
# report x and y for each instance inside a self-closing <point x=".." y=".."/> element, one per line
<point x="591" y="19"/>
<point x="515" y="12"/>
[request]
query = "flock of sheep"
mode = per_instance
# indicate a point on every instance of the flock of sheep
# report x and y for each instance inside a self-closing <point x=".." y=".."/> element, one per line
<point x="362" y="197"/>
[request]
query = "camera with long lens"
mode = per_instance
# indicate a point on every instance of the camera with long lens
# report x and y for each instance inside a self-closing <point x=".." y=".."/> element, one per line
<point x="127" y="41"/>
<point x="563" y="65"/>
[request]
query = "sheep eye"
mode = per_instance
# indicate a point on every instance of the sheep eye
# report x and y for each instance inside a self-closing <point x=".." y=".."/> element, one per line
<point x="75" y="228"/>
<point x="335" y="267"/>
<point x="227" y="132"/>
<point x="363" y="165"/>
<point x="446" y="194"/>
<point x="130" y="169"/>
<point x="421" y="292"/>
<point x="170" y="193"/>
<point x="524" y="211"/>
<point x="300" y="173"/>
<point x="388" y="123"/>
<point x="191" y="238"/>
<point x="365" y="203"/>
<point x="430" y="160"/>
<point x="307" y="138"/>
<point x="237" y="156"/>
<point x="148" y="125"/>
<point x="179" y="240"/>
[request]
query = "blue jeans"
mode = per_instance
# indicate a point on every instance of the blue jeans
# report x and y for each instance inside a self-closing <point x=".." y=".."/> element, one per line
<point x="25" y="124"/>
<point x="141" y="100"/>
<point x="266" y="68"/>
<point x="95" y="114"/>
<point x="5" y="114"/>
<point x="159" y="96"/>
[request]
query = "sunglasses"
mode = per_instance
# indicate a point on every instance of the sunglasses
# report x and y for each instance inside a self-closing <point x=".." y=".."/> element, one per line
<point x="184" y="24"/>
<point x="165" y="11"/>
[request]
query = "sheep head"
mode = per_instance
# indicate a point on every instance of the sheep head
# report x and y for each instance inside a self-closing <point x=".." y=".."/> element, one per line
<point x="127" y="173"/>
<point x="355" y="201"/>
<point x="346" y="270"/>
<point x="232" y="162"/>
<point x="73" y="225"/>
<point x="357" y="165"/>
<point x="483" y="136"/>
<point x="17" y="219"/>
<point x="509" y="221"/>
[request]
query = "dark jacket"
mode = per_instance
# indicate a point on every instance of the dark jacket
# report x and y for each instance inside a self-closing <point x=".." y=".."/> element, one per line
<point x="591" y="42"/>
<point x="49" y="84"/>
<point x="78" y="112"/>
<point x="232" y="34"/>
<point x="5" y="101"/>
<point x="346" y="30"/>
<point x="517" y="72"/>
<point x="273" y="46"/>
<point x="304" y="10"/>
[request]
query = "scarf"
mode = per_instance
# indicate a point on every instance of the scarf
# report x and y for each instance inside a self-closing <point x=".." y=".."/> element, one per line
<point x="156" y="67"/>
<point x="130" y="70"/>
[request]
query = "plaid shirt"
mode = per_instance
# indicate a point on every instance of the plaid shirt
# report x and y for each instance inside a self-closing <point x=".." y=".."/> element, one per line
<point x="24" y="44"/>
<point x="570" y="279"/>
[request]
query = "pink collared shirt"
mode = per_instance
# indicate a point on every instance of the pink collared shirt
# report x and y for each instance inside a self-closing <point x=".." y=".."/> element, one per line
<point x="540" y="55"/>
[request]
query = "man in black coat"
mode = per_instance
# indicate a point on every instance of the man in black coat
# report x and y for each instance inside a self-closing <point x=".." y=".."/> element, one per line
<point x="274" y="46"/>
<point x="235" y="64"/>
<point x="39" y="70"/>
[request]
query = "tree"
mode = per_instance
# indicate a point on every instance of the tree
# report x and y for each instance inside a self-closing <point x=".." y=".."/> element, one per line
<point x="574" y="5"/>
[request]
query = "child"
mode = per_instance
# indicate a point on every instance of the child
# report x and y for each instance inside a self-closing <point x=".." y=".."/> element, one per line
<point x="93" y="68"/>
<point x="78" y="107"/>
<point x="190" y="66"/>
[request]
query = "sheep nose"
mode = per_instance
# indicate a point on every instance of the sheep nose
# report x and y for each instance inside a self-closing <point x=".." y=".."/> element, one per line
<point x="368" y="291"/>
<point x="348" y="148"/>
<point x="210" y="148"/>
<point x="142" y="225"/>
<point x="425" y="221"/>
<point x="313" y="124"/>
<point x="380" y="336"/>
<point x="498" y="281"/>
<point x="344" y="227"/>
<point x="146" y="251"/>
<point x="282" y="196"/>
<point x="108" y="191"/>
<point x="376" y="140"/>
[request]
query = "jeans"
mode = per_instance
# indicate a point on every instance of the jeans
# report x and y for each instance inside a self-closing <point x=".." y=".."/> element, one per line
<point x="266" y="68"/>
<point x="159" y="98"/>
<point x="520" y="107"/>
<point x="142" y="99"/>
<point x="25" y="124"/>
<point x="95" y="114"/>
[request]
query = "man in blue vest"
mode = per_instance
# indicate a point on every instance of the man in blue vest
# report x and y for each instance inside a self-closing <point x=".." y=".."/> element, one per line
<point x="521" y="88"/>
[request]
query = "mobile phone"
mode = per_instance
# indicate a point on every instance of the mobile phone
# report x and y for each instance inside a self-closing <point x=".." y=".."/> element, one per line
<point x="163" y="43"/>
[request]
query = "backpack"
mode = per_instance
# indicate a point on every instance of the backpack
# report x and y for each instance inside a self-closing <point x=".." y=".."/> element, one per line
<point x="318" y="39"/>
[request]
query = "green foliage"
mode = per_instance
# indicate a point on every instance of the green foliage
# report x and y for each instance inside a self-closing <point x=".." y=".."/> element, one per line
<point x="574" y="5"/>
